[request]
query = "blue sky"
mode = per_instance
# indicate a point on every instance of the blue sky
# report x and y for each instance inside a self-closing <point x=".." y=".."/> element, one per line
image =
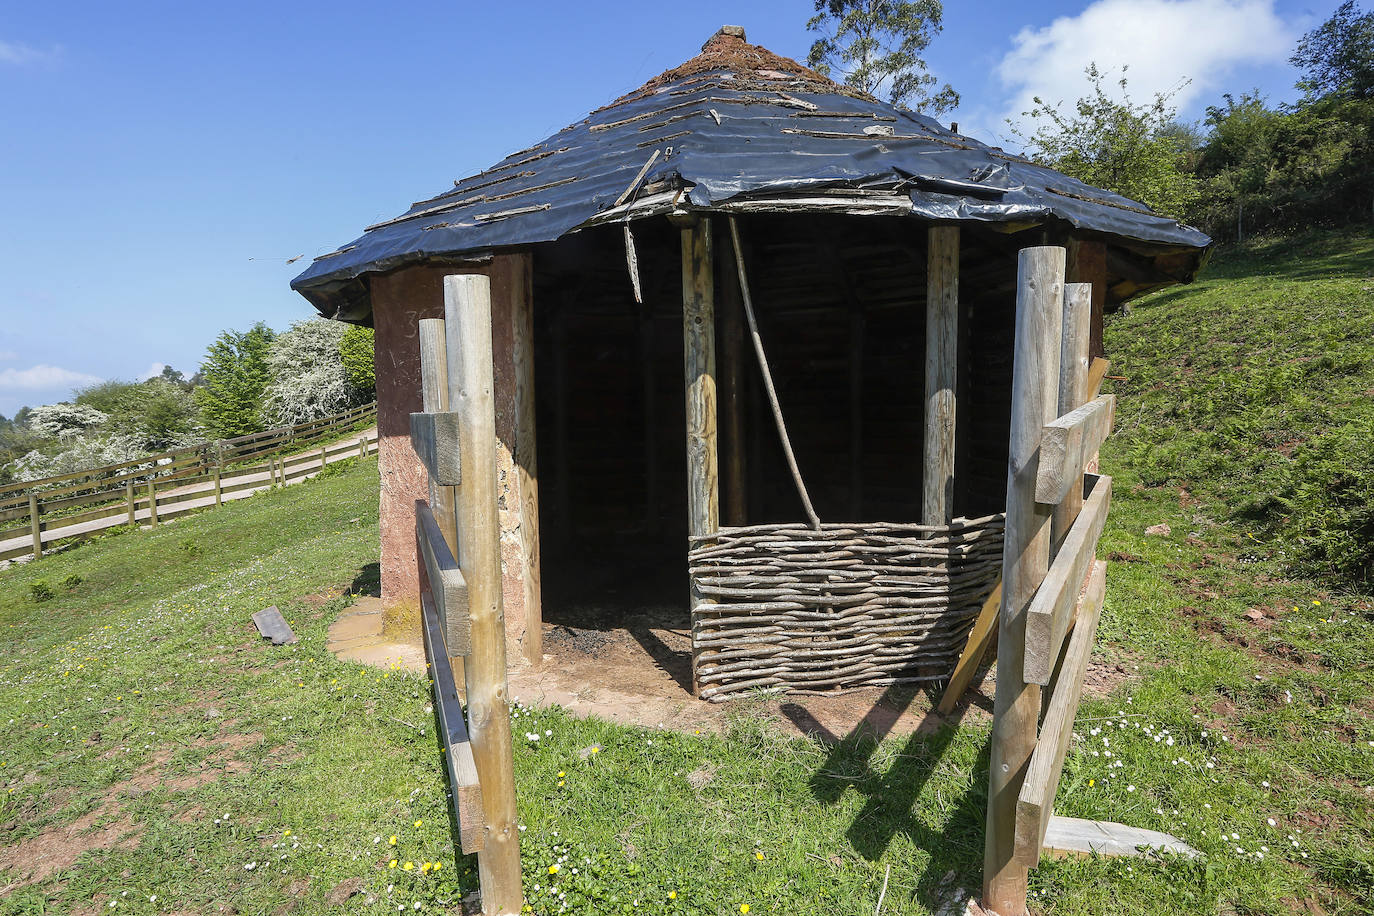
<point x="159" y="163"/>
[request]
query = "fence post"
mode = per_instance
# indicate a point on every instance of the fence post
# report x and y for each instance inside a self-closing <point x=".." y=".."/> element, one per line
<point x="152" y="501"/>
<point x="1025" y="560"/>
<point x="467" y="327"/>
<point x="219" y="491"/>
<point x="129" y="498"/>
<point x="324" y="456"/>
<point x="362" y="447"/>
<point x="35" y="526"/>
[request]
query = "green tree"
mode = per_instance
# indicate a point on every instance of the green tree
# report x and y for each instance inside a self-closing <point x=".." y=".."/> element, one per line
<point x="357" y="350"/>
<point x="234" y="377"/>
<point x="1136" y="150"/>
<point x="877" y="45"/>
<point x="1337" y="57"/>
<point x="153" y="415"/>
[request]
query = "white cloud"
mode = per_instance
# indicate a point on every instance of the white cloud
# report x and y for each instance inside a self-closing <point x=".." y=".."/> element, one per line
<point x="154" y="370"/>
<point x="7" y="355"/>
<point x="41" y="377"/>
<point x="13" y="52"/>
<point x="1163" y="42"/>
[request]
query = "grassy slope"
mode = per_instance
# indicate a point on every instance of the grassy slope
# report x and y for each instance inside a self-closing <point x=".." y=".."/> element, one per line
<point x="119" y="671"/>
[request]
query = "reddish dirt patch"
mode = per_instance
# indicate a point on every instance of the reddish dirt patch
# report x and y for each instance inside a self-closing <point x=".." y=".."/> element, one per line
<point x="58" y="847"/>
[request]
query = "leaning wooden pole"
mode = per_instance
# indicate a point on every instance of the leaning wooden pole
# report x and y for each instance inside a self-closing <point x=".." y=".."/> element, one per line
<point x="699" y="380"/>
<point x="942" y="361"/>
<point x="467" y="310"/>
<point x="1025" y="559"/>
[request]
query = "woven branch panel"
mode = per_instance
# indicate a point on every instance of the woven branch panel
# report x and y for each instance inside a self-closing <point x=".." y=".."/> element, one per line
<point x="851" y="605"/>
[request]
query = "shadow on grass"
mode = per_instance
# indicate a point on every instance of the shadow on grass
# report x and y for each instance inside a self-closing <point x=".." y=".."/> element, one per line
<point x="368" y="581"/>
<point x="956" y="849"/>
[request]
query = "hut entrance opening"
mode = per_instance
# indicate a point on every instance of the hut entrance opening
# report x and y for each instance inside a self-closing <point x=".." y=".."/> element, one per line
<point x="840" y="303"/>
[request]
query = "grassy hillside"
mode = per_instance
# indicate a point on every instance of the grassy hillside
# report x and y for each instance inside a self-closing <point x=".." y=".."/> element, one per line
<point x="153" y="747"/>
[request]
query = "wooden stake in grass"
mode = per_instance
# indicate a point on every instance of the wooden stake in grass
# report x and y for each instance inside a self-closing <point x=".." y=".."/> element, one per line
<point x="35" y="525"/>
<point x="467" y="327"/>
<point x="152" y="502"/>
<point x="1025" y="559"/>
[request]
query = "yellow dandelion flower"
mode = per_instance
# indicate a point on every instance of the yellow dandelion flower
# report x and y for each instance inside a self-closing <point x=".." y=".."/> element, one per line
<point x="391" y="864"/>
<point x="596" y="750"/>
<point x="553" y="869"/>
<point x="392" y="841"/>
<point x="744" y="907"/>
<point x="409" y="866"/>
<point x="1091" y="783"/>
<point x="438" y="865"/>
<point x="418" y="823"/>
<point x="286" y="833"/>
<point x="561" y="774"/>
<point x="672" y="895"/>
<point x="759" y="856"/>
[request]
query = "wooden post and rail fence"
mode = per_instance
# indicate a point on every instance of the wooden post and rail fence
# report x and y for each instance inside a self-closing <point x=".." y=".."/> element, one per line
<point x="153" y="487"/>
<point x="458" y="545"/>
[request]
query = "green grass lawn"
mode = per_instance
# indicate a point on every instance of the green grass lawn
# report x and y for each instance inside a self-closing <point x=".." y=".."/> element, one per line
<point x="176" y="763"/>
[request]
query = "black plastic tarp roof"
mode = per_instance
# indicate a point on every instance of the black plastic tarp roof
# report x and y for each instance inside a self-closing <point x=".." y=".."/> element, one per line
<point x="725" y="134"/>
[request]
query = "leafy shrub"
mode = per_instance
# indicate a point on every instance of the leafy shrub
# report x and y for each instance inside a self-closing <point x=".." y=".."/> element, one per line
<point x="40" y="590"/>
<point x="336" y="469"/>
<point x="357" y="349"/>
<point x="72" y="581"/>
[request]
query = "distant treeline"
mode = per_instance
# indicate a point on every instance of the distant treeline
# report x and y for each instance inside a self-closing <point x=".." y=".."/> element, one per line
<point x="1249" y="167"/>
<point x="249" y="381"/>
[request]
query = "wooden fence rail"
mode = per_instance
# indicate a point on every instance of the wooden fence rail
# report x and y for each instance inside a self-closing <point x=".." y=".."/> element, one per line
<point x="155" y="498"/>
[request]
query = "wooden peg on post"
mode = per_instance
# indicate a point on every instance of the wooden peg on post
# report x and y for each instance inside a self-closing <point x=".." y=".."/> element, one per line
<point x="467" y="327"/>
<point x="1025" y="559"/>
<point x="942" y="361"/>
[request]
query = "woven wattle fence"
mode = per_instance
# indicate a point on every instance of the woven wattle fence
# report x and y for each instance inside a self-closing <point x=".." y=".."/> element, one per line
<point x="850" y="605"/>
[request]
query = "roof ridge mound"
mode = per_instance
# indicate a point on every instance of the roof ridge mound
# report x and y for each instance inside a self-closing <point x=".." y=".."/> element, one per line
<point x="728" y="50"/>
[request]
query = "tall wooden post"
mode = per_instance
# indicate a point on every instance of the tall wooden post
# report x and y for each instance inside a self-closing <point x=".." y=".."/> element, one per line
<point x="130" y="500"/>
<point x="219" y="485"/>
<point x="1073" y="387"/>
<point x="152" y="502"/>
<point x="467" y="327"/>
<point x="35" y="524"/>
<point x="525" y="455"/>
<point x="942" y="368"/>
<point x="1087" y="263"/>
<point x="434" y="395"/>
<point x="699" y="377"/>
<point x="1025" y="559"/>
<point x="731" y="392"/>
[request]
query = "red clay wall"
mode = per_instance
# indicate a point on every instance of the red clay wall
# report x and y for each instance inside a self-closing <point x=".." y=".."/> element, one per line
<point x="399" y="300"/>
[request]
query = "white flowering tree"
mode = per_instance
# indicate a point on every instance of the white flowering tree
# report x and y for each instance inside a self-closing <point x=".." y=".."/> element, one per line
<point x="64" y="420"/>
<point x="307" y="379"/>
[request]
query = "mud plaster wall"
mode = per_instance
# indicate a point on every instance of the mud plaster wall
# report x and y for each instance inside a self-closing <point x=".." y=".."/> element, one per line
<point x="399" y="301"/>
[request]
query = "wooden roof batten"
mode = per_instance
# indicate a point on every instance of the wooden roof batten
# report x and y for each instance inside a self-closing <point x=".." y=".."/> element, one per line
<point x="739" y="129"/>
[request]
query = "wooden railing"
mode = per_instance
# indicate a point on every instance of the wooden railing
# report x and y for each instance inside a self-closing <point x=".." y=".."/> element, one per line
<point x="459" y="550"/>
<point x="44" y="509"/>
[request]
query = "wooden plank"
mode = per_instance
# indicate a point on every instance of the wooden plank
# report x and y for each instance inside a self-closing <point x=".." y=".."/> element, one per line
<point x="1035" y="802"/>
<point x="464" y="787"/>
<point x="979" y="640"/>
<point x="942" y="362"/>
<point x="1097" y="371"/>
<point x="1073" y="383"/>
<point x="1087" y="263"/>
<point x="1049" y="614"/>
<point x="272" y="625"/>
<point x="446" y="581"/>
<point x="1073" y="836"/>
<point x="699" y="379"/>
<point x="1069" y="443"/>
<point x="1025" y="559"/>
<point x="434" y="437"/>
<point x="467" y="329"/>
<point x="35" y="524"/>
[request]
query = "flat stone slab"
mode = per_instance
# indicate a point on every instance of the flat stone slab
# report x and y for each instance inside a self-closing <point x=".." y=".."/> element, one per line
<point x="1075" y="836"/>
<point x="272" y="625"/>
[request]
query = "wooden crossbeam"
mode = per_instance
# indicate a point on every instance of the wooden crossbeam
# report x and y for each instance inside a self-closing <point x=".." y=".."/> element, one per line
<point x="1051" y="610"/>
<point x="446" y="582"/>
<point x="1035" y="803"/>
<point x="434" y="436"/>
<point x="453" y="730"/>
<point x="1068" y="443"/>
<point x="982" y="635"/>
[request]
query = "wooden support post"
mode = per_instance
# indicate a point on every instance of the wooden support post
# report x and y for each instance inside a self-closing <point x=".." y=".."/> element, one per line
<point x="525" y="455"/>
<point x="732" y="336"/>
<point x="129" y="499"/>
<point x="699" y="376"/>
<point x="152" y="502"/>
<point x="324" y="457"/>
<point x="362" y="447"/>
<point x="219" y="487"/>
<point x="35" y="524"/>
<point x="942" y="361"/>
<point x="1025" y="559"/>
<point x="1073" y="388"/>
<point x="467" y="327"/>
<point x="1086" y="262"/>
